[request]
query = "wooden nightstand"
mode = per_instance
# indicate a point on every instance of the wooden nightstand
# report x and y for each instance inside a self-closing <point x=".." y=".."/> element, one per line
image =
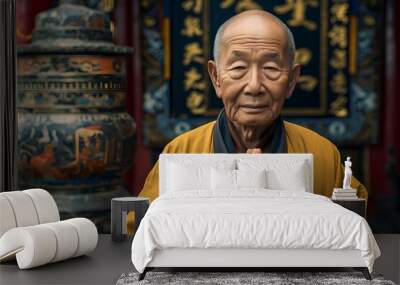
<point x="356" y="205"/>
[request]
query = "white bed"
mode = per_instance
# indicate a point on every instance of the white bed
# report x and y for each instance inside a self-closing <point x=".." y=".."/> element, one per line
<point x="202" y="220"/>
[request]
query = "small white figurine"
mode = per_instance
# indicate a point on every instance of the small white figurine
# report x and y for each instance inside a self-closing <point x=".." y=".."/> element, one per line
<point x="347" y="174"/>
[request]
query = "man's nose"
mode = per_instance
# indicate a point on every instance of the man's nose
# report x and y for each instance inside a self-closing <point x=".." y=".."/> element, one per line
<point x="254" y="85"/>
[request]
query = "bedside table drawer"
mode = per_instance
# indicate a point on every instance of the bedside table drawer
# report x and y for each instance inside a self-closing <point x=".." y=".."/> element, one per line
<point x="358" y="206"/>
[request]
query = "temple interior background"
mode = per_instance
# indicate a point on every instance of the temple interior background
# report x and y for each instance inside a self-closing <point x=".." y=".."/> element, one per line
<point x="98" y="100"/>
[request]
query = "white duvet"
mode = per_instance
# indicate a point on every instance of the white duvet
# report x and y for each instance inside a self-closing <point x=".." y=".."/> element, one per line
<point x="253" y="218"/>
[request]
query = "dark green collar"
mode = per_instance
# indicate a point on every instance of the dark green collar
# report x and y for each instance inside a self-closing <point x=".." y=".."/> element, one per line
<point x="223" y="142"/>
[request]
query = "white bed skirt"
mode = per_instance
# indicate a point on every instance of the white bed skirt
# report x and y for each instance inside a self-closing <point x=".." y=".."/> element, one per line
<point x="192" y="257"/>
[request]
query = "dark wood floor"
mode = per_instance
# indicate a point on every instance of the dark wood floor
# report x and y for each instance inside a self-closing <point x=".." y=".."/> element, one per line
<point x="389" y="262"/>
<point x="110" y="260"/>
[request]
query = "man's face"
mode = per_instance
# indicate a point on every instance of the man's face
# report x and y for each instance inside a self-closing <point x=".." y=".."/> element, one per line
<point x="254" y="74"/>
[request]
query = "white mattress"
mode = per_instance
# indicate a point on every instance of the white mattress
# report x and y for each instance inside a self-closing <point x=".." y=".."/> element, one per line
<point x="250" y="219"/>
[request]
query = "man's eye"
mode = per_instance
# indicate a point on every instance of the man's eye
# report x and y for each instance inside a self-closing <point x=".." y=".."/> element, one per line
<point x="271" y="68"/>
<point x="239" y="67"/>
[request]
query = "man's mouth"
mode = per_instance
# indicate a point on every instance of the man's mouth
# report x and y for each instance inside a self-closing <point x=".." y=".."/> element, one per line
<point x="253" y="108"/>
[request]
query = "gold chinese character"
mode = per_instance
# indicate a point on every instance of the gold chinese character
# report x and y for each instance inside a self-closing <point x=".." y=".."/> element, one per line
<point x="193" y="5"/>
<point x="299" y="8"/>
<point x="242" y="5"/>
<point x="307" y="82"/>
<point x="200" y="85"/>
<point x="303" y="56"/>
<point x="191" y="78"/>
<point x="149" y="21"/>
<point x="199" y="111"/>
<point x="369" y="20"/>
<point x="338" y="36"/>
<point x="339" y="13"/>
<point x="225" y="4"/>
<point x="195" y="102"/>
<point x="192" y="27"/>
<point x="145" y="3"/>
<point x="339" y="59"/>
<point x="339" y="83"/>
<point x="338" y="107"/>
<point x="106" y="5"/>
<point x="193" y="52"/>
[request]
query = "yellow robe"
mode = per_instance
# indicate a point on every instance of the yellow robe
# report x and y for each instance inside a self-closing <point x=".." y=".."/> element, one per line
<point x="328" y="170"/>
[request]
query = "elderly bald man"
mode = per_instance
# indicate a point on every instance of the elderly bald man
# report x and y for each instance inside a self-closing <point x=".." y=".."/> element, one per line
<point x="253" y="73"/>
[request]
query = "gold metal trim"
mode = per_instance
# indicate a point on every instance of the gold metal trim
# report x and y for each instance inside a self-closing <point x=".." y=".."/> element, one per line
<point x="167" y="48"/>
<point x="353" y="45"/>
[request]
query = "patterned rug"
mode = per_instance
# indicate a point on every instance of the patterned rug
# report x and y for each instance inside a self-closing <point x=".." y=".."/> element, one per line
<point x="242" y="278"/>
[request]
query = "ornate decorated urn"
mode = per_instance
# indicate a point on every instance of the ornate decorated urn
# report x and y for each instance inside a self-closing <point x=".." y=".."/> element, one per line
<point x="75" y="138"/>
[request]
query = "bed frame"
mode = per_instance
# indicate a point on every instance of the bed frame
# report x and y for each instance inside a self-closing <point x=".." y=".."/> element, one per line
<point x="250" y="258"/>
<point x="242" y="259"/>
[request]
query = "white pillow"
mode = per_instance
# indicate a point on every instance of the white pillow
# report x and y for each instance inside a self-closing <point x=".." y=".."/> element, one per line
<point x="251" y="178"/>
<point x="236" y="179"/>
<point x="291" y="179"/>
<point x="183" y="178"/>
<point x="281" y="174"/>
<point x="223" y="179"/>
<point x="186" y="175"/>
<point x="203" y="162"/>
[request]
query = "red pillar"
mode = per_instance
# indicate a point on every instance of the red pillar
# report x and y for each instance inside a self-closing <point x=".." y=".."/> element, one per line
<point x="128" y="32"/>
<point x="26" y="13"/>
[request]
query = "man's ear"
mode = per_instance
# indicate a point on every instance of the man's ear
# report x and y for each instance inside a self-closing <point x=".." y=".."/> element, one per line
<point x="212" y="71"/>
<point x="293" y="79"/>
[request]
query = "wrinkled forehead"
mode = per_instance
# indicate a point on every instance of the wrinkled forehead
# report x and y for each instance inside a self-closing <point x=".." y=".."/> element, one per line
<point x="254" y="33"/>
